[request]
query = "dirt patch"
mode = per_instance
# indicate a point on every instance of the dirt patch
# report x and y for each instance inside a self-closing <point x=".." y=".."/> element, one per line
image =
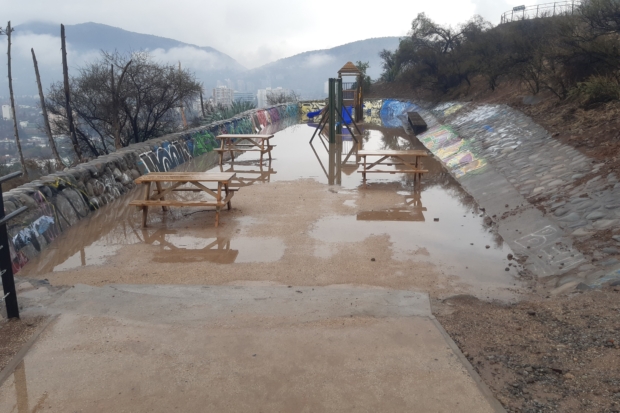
<point x="552" y="355"/>
<point x="14" y="334"/>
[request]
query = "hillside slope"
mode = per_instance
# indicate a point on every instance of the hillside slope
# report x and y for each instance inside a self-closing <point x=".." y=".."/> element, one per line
<point x="86" y="40"/>
<point x="307" y="72"/>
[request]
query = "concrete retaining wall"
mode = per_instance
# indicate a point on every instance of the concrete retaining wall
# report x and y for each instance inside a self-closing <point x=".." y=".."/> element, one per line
<point x="57" y="201"/>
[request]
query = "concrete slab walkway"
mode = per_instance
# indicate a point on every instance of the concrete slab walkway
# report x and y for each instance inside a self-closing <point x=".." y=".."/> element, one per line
<point x="258" y="348"/>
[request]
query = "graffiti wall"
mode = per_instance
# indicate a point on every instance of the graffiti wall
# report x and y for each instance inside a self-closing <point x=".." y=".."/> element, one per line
<point x="454" y="151"/>
<point x="58" y="201"/>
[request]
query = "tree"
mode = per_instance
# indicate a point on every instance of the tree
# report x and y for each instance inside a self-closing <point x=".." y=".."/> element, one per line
<point x="366" y="81"/>
<point x="122" y="99"/>
<point x="67" y="93"/>
<point x="46" y="121"/>
<point x="214" y="113"/>
<point x="8" y="32"/>
<point x="390" y="65"/>
<point x="277" y="97"/>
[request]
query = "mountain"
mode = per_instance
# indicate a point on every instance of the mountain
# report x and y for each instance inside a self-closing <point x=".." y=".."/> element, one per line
<point x="84" y="43"/>
<point x="307" y="72"/>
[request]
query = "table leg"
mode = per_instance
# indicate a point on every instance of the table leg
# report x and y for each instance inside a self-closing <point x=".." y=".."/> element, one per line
<point x="159" y="191"/>
<point x="147" y="196"/>
<point x="230" y="201"/>
<point x="218" y="207"/>
<point x="364" y="174"/>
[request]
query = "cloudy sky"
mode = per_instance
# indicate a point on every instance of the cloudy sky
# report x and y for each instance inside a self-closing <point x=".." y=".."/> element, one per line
<point x="256" y="32"/>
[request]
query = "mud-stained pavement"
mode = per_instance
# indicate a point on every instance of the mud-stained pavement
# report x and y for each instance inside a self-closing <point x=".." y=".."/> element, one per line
<point x="298" y="230"/>
<point x="312" y="295"/>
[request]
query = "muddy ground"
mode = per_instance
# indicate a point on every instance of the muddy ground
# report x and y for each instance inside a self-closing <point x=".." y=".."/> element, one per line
<point x="14" y="334"/>
<point x="553" y="355"/>
<point x="545" y="354"/>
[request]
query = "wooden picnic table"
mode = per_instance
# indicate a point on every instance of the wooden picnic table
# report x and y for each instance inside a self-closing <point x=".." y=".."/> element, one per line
<point x="178" y="179"/>
<point x="244" y="143"/>
<point x="400" y="160"/>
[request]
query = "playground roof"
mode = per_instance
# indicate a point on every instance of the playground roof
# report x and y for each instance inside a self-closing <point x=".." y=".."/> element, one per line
<point x="349" y="69"/>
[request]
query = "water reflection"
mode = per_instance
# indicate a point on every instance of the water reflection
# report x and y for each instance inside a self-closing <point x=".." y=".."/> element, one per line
<point x="415" y="212"/>
<point x="249" y="172"/>
<point x="184" y="249"/>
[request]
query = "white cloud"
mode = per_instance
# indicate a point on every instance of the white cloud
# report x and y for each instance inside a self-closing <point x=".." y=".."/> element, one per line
<point x="190" y="57"/>
<point x="319" y="59"/>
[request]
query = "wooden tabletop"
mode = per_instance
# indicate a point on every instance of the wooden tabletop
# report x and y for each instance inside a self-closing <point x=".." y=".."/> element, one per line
<point x="379" y="152"/>
<point x="186" y="177"/>
<point x="228" y="136"/>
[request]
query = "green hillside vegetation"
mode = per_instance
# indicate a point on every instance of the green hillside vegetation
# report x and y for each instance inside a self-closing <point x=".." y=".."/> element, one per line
<point x="573" y="56"/>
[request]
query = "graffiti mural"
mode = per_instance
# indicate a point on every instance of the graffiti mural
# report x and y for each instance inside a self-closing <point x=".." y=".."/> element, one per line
<point x="453" y="151"/>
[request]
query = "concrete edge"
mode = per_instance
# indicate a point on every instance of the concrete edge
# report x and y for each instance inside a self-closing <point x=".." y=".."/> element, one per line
<point x="484" y="389"/>
<point x="17" y="358"/>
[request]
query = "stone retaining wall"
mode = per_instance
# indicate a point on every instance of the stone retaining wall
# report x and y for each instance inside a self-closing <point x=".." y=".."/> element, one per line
<point x="57" y="201"/>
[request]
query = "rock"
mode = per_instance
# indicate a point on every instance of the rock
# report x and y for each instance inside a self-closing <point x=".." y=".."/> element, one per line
<point x="436" y="220"/>
<point x="510" y="257"/>
<point x="605" y="223"/>
<point x="507" y="269"/>
<point x="23" y="286"/>
<point x="560" y="212"/>
<point x="612" y="206"/>
<point x="487" y="247"/>
<point x="609" y="262"/>
<point x="572" y="217"/>
<point x="372" y="259"/>
<point x="134" y="174"/>
<point x="117" y="173"/>
<point x="595" y="215"/>
<point x="610" y="250"/>
<point x="616" y="238"/>
<point x="577" y="176"/>
<point x="583" y="287"/>
<point x="582" y="232"/>
<point x="569" y="376"/>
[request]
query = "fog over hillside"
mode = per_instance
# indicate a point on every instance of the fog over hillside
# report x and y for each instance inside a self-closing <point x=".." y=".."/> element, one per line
<point x="305" y="72"/>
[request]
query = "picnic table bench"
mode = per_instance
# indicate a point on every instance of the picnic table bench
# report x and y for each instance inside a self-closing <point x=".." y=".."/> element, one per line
<point x="244" y="143"/>
<point x="400" y="160"/>
<point x="178" y="179"/>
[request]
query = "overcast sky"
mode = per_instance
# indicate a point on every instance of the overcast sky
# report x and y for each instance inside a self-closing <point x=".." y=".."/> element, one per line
<point x="256" y="32"/>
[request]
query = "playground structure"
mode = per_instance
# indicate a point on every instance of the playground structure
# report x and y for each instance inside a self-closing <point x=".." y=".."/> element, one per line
<point x="337" y="114"/>
<point x="353" y="94"/>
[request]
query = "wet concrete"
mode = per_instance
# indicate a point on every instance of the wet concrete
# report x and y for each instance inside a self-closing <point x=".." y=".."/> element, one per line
<point x="229" y="349"/>
<point x="311" y="295"/>
<point x="284" y="227"/>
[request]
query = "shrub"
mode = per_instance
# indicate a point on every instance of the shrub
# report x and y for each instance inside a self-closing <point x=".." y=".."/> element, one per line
<point x="596" y="89"/>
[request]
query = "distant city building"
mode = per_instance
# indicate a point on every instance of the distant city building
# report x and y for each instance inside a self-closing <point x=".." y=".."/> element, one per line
<point x="6" y="112"/>
<point x="263" y="95"/>
<point x="23" y="124"/>
<point x="245" y="97"/>
<point x="223" y="95"/>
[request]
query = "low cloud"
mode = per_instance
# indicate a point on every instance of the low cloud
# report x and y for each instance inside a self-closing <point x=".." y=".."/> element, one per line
<point x="319" y="59"/>
<point x="48" y="50"/>
<point x="191" y="58"/>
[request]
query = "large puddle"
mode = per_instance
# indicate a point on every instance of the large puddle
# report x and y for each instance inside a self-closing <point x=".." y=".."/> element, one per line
<point x="432" y="220"/>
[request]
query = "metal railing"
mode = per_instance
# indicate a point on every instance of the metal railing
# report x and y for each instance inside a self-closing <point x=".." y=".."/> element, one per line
<point x="6" y="265"/>
<point x="558" y="8"/>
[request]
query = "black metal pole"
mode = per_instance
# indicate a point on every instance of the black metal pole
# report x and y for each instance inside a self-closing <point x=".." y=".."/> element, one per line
<point x="6" y="268"/>
<point x="6" y="265"/>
